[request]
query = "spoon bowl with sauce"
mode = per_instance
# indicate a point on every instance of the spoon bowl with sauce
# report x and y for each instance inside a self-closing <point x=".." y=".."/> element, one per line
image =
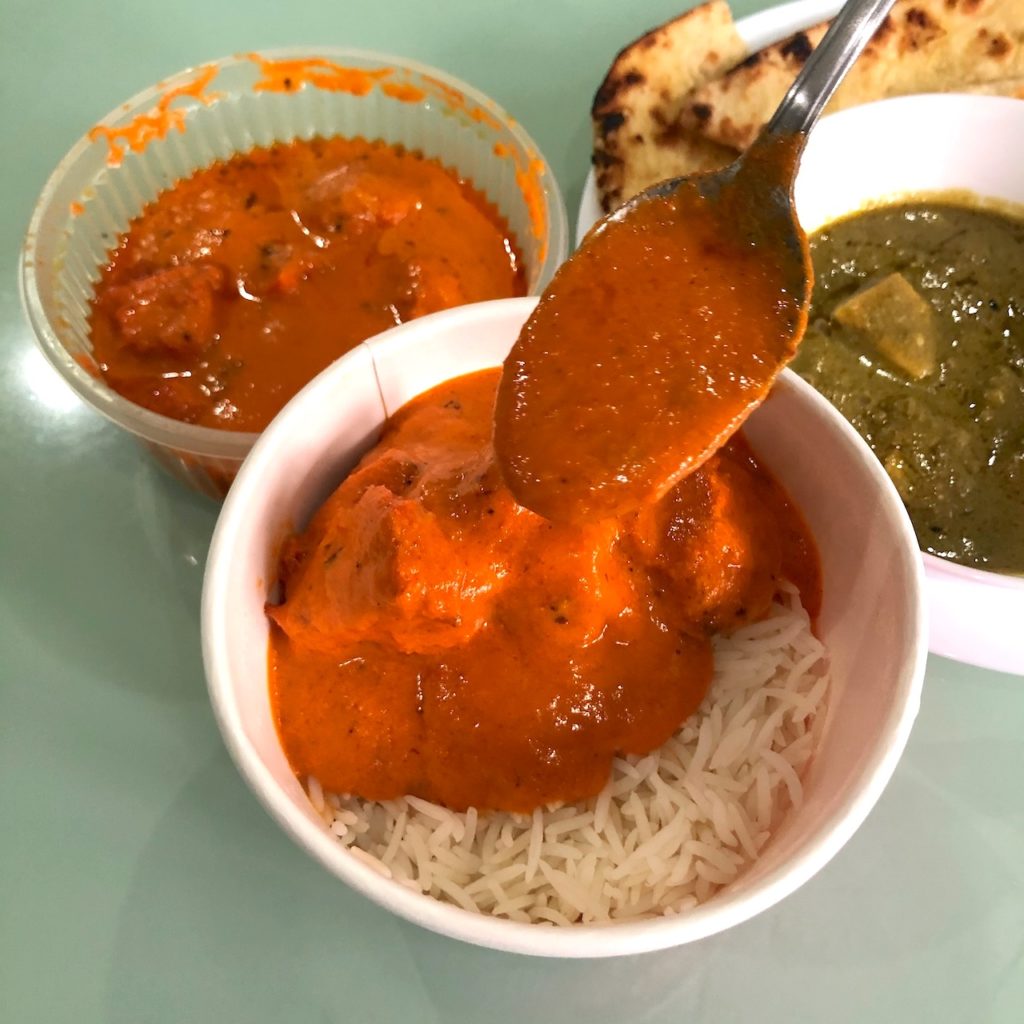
<point x="669" y="325"/>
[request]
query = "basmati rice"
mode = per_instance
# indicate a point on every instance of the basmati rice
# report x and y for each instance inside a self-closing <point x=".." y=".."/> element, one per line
<point x="667" y="832"/>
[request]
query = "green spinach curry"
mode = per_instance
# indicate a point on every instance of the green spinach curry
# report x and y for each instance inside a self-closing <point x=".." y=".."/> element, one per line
<point x="917" y="336"/>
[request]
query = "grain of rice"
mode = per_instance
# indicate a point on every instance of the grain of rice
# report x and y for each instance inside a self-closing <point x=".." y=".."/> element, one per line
<point x="371" y="861"/>
<point x="456" y="893"/>
<point x="767" y="733"/>
<point x="421" y="857"/>
<point x="787" y="774"/>
<point x="587" y="870"/>
<point x="429" y="810"/>
<point x="732" y="747"/>
<point x="722" y="821"/>
<point x="637" y="811"/>
<point x="551" y="916"/>
<point x="397" y="835"/>
<point x="717" y="782"/>
<point x="470" y="823"/>
<point x="601" y="806"/>
<point x="762" y="795"/>
<point x="456" y="860"/>
<point x="712" y="874"/>
<point x="704" y="888"/>
<point x="500" y="876"/>
<point x="533" y="848"/>
<point x="708" y="853"/>
<point x="700" y="797"/>
<point x="565" y="851"/>
<point x="666" y="833"/>
<point x="705" y="741"/>
<point x="741" y="827"/>
<point x="316" y="795"/>
<point x="799" y="750"/>
<point x="490" y="838"/>
<point x="806" y="707"/>
<point x="571" y="892"/>
<point x="683" y="869"/>
<point x="505" y="907"/>
<point x="568" y="824"/>
<point x="516" y="846"/>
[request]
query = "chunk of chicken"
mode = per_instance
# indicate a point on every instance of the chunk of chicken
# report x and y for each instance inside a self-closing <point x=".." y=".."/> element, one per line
<point x="170" y="310"/>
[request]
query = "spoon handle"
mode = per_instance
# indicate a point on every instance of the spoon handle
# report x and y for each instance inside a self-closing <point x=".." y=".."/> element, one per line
<point x="850" y="31"/>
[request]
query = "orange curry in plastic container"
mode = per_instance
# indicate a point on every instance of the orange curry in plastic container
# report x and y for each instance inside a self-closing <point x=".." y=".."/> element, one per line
<point x="189" y="265"/>
<point x="238" y="285"/>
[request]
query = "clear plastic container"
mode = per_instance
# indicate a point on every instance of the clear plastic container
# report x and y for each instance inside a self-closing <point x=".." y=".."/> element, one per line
<point x="208" y="113"/>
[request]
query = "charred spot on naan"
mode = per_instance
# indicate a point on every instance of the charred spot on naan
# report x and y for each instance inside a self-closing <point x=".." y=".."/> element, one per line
<point x="922" y="46"/>
<point x="798" y="48"/>
<point x="637" y="137"/>
<point x="922" y="28"/>
<point x="994" y="44"/>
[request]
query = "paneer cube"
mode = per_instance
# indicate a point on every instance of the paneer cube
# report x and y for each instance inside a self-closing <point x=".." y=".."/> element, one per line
<point x="896" y="321"/>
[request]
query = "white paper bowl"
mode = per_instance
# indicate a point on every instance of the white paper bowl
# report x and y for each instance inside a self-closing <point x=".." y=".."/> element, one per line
<point x="872" y="618"/>
<point x="92" y="195"/>
<point x="913" y="146"/>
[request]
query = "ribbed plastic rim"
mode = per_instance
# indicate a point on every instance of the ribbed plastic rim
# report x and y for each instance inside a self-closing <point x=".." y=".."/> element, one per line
<point x="211" y="441"/>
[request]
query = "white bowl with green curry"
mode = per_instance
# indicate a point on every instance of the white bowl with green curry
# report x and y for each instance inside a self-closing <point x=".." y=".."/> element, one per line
<point x="915" y="210"/>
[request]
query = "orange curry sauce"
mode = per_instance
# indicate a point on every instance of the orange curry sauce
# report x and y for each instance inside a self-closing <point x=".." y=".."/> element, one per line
<point x="437" y="639"/>
<point x="652" y="344"/>
<point x="239" y="284"/>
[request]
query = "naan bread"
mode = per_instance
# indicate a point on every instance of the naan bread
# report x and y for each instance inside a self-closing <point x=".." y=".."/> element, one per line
<point x="923" y="46"/>
<point x="1012" y="87"/>
<point x="637" y="138"/>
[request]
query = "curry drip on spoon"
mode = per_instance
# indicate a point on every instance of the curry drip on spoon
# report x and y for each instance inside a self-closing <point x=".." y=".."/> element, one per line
<point x="654" y="342"/>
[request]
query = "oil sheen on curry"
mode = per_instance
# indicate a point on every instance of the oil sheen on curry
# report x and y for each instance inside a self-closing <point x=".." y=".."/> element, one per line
<point x="239" y="284"/>
<point x="436" y="638"/>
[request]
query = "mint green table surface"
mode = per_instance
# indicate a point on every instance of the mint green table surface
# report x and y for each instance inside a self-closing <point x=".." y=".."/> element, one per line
<point x="139" y="879"/>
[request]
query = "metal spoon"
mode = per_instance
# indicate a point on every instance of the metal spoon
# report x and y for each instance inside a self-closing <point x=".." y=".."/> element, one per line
<point x="624" y="379"/>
